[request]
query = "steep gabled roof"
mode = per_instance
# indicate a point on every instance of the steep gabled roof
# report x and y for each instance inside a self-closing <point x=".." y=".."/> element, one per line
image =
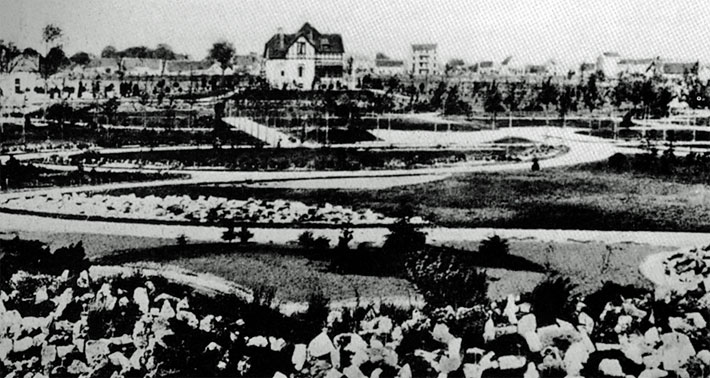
<point x="424" y="46"/>
<point x="131" y="63"/>
<point x="102" y="62"/>
<point x="323" y="43"/>
<point x="177" y="66"/>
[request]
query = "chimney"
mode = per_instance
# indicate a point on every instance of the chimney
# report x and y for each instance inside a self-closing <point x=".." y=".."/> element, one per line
<point x="280" y="32"/>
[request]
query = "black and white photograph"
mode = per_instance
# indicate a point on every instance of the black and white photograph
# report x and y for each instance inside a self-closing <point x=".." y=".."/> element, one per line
<point x="354" y="188"/>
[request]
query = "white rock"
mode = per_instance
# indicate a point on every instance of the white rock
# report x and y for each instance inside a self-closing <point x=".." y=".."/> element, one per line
<point x="653" y="373"/>
<point x="320" y="345"/>
<point x="64" y="350"/>
<point x="454" y="347"/>
<point x="353" y="371"/>
<point x="441" y="333"/>
<point x="22" y="345"/>
<point x="575" y="357"/>
<point x="118" y="359"/>
<point x="651" y="337"/>
<point x="5" y="347"/>
<point x="166" y="311"/>
<point x="696" y="319"/>
<point x="279" y="374"/>
<point x="276" y="344"/>
<point x="533" y="340"/>
<point x="207" y="323"/>
<point x="527" y="323"/>
<point x="299" y="356"/>
<point x="511" y="310"/>
<point x="611" y="367"/>
<point x="704" y="355"/>
<point x="77" y="368"/>
<point x="140" y="297"/>
<point x="675" y="351"/>
<point x="511" y="362"/>
<point x="83" y="280"/>
<point x="258" y="341"/>
<point x="49" y="354"/>
<point x="489" y="330"/>
<point x="96" y="350"/>
<point x="41" y="295"/>
<point x="531" y="372"/>
<point x="188" y="317"/>
<point x="586" y="322"/>
<point x="447" y="364"/>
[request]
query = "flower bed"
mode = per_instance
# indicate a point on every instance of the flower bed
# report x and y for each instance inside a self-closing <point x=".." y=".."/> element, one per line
<point x="203" y="210"/>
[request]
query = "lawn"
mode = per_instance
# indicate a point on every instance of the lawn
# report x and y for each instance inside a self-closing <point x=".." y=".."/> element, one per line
<point x="582" y="197"/>
<point x="295" y="274"/>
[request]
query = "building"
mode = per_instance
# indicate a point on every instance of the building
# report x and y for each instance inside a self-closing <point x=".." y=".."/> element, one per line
<point x="608" y="64"/>
<point x="187" y="68"/>
<point x="304" y="60"/>
<point x="250" y="64"/>
<point x="385" y="66"/>
<point x="22" y="76"/>
<point x="425" y="61"/>
<point x="635" y="67"/>
<point x="142" y="66"/>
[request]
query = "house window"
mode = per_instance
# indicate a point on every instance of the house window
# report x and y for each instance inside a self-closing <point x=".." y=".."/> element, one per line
<point x="300" y="71"/>
<point x="283" y="73"/>
<point x="301" y="48"/>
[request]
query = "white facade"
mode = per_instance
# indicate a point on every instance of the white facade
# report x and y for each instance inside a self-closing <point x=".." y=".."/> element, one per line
<point x="298" y="70"/>
<point x="608" y="63"/>
<point x="425" y="61"/>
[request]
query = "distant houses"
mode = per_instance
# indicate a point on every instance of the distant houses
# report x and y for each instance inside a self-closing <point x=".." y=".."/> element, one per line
<point x="385" y="66"/>
<point x="425" y="60"/>
<point x="305" y="60"/>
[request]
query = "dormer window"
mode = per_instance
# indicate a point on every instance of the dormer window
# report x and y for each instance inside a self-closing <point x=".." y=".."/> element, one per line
<point x="301" y="48"/>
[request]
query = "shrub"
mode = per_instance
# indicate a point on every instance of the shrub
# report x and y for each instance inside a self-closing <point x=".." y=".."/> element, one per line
<point x="182" y="240"/>
<point x="244" y="235"/>
<point x="229" y="235"/>
<point x="552" y="299"/>
<point x="444" y="279"/>
<point x="321" y="243"/>
<point x="404" y="237"/>
<point x="618" y="162"/>
<point x="494" y="246"/>
<point x="346" y="236"/>
<point x="305" y="240"/>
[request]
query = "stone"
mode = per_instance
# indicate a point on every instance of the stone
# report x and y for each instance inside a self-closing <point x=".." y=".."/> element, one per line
<point x="384" y="325"/>
<point x="320" y="345"/>
<point x="61" y="302"/>
<point x="207" y="323"/>
<point x="83" y="280"/>
<point x="49" y="354"/>
<point x="41" y="295"/>
<point x="623" y="323"/>
<point x="140" y="297"/>
<point x="96" y="351"/>
<point x="651" y="336"/>
<point x="77" y="368"/>
<point x="531" y="371"/>
<point x="527" y="323"/>
<point x="675" y="351"/>
<point x="533" y="340"/>
<point x="405" y="372"/>
<point x="511" y="362"/>
<point x="447" y="364"/>
<point x="633" y="348"/>
<point x="137" y="358"/>
<point x="575" y="357"/>
<point x="586" y="322"/>
<point x="511" y="309"/>
<point x="353" y="371"/>
<point x="299" y="356"/>
<point x="489" y="330"/>
<point x="188" y="317"/>
<point x="454" y="346"/>
<point x="22" y="345"/>
<point x="276" y="344"/>
<point x="258" y="341"/>
<point x="653" y="373"/>
<point x="332" y="373"/>
<point x="182" y="305"/>
<point x="64" y="350"/>
<point x="119" y="359"/>
<point x="166" y="311"/>
<point x="279" y="374"/>
<point x="696" y="319"/>
<point x="213" y="347"/>
<point x="441" y="333"/>
<point x="5" y="348"/>
<point x="704" y="355"/>
<point x="473" y="370"/>
<point x="611" y="367"/>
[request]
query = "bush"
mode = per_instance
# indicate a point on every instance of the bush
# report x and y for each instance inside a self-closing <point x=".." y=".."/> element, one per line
<point x="321" y="243"/>
<point x="445" y="279"/>
<point x="244" y="235"/>
<point x="618" y="162"/>
<point x="404" y="237"/>
<point x="494" y="246"/>
<point x="305" y="240"/>
<point x="33" y="256"/>
<point x="552" y="299"/>
<point x="229" y="235"/>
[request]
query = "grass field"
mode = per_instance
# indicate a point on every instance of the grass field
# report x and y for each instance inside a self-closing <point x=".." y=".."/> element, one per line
<point x="295" y="274"/>
<point x="583" y="197"/>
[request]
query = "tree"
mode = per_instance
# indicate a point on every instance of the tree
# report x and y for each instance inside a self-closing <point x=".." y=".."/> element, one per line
<point x="493" y="102"/>
<point x="437" y="99"/>
<point x="50" y="34"/>
<point x="54" y="60"/>
<point x="81" y="58"/>
<point x="109" y="52"/>
<point x="566" y="102"/>
<point x="592" y="97"/>
<point x="547" y="96"/>
<point x="8" y="52"/>
<point x="163" y="51"/>
<point x="222" y="52"/>
<point x="512" y="101"/>
<point x="453" y="104"/>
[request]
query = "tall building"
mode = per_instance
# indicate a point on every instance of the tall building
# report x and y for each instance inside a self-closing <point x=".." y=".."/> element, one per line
<point x="304" y="60"/>
<point x="425" y="61"/>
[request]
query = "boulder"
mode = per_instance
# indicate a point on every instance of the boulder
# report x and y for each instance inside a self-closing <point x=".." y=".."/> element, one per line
<point x="61" y="302"/>
<point x="49" y="354"/>
<point x="353" y="371"/>
<point x="320" y="345"/>
<point x="575" y="357"/>
<point x="41" y="295"/>
<point x="276" y="344"/>
<point x="405" y="372"/>
<point x="279" y="374"/>
<point x="489" y="330"/>
<point x="511" y="362"/>
<point x="258" y="341"/>
<point x="653" y="373"/>
<point x="511" y="309"/>
<point x="441" y="333"/>
<point x="675" y="351"/>
<point x="531" y="371"/>
<point x="96" y="351"/>
<point x="5" y="348"/>
<point x="527" y="323"/>
<point x="83" y="280"/>
<point x="166" y="311"/>
<point x="77" y="367"/>
<point x="299" y="356"/>
<point x="119" y="359"/>
<point x="586" y="322"/>
<point x="533" y="340"/>
<point x="704" y="355"/>
<point x="651" y="336"/>
<point x="207" y="323"/>
<point x="22" y="345"/>
<point x="140" y="297"/>
<point x="447" y="364"/>
<point x="188" y="317"/>
<point x="611" y="368"/>
<point x="64" y="350"/>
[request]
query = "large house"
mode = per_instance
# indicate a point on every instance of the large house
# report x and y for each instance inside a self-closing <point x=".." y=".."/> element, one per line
<point x="385" y="66"/>
<point x="304" y="60"/>
<point x="425" y="61"/>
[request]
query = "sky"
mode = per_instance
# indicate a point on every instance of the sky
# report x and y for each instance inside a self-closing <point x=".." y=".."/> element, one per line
<point x="533" y="31"/>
